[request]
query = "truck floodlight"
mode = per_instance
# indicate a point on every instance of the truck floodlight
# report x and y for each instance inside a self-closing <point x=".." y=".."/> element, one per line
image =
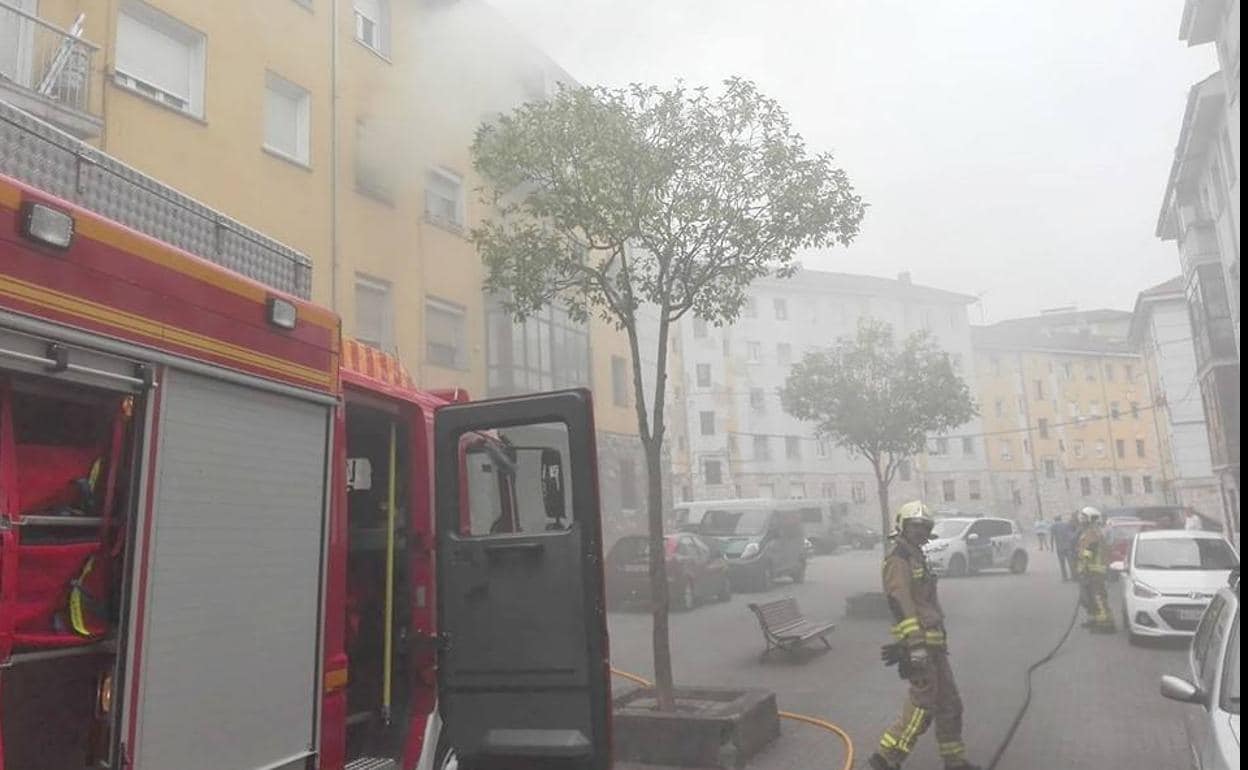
<point x="46" y="225"/>
<point x="282" y="313"/>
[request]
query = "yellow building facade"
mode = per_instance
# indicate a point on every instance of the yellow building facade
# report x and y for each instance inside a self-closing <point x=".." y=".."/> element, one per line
<point x="1068" y="420"/>
<point x="341" y="128"/>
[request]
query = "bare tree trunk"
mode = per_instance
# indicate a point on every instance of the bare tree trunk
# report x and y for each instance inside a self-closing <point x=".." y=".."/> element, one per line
<point x="881" y="486"/>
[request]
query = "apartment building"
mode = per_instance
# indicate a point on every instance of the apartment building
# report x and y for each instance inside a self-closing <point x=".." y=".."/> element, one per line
<point x="1200" y="213"/>
<point x="1067" y="414"/>
<point x="734" y="438"/>
<point x="1161" y="331"/>
<point x="341" y="128"/>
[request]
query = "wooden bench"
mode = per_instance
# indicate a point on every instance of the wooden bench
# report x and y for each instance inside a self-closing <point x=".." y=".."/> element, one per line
<point x="785" y="627"/>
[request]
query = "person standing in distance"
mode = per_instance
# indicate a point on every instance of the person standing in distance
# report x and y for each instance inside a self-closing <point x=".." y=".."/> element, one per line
<point x="920" y="650"/>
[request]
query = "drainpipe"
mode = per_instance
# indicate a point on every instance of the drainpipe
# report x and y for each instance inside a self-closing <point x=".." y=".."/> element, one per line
<point x="333" y="155"/>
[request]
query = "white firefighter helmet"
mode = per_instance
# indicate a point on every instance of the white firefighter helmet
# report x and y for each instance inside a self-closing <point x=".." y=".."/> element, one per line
<point x="914" y="512"/>
<point x="1091" y="515"/>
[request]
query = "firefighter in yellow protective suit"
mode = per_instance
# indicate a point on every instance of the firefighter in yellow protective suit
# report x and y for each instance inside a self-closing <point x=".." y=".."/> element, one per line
<point x="920" y="650"/>
<point x="1091" y="552"/>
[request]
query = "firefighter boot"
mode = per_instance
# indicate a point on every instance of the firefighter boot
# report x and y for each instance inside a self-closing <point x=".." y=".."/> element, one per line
<point x="878" y="762"/>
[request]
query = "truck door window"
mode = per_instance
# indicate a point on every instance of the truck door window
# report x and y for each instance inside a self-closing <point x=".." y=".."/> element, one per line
<point x="516" y="478"/>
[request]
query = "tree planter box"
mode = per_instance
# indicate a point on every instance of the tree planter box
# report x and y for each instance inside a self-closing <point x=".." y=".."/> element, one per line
<point x="711" y="727"/>
<point x="868" y="606"/>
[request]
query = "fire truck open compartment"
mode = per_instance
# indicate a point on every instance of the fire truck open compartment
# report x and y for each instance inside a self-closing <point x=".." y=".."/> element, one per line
<point x="377" y="566"/>
<point x="67" y="460"/>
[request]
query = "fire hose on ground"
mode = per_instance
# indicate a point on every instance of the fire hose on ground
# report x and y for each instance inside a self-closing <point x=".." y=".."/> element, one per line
<point x="849" y="744"/>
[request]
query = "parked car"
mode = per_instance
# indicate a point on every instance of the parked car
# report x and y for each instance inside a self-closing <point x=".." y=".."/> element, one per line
<point x="760" y="540"/>
<point x="824" y="522"/>
<point x="696" y="570"/>
<point x="1118" y="534"/>
<point x="1170" y="576"/>
<point x="1164" y="516"/>
<point x="963" y="545"/>
<point x="1212" y="728"/>
<point x="860" y="537"/>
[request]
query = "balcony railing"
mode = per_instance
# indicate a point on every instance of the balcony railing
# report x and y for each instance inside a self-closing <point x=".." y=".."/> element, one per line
<point x="47" y="70"/>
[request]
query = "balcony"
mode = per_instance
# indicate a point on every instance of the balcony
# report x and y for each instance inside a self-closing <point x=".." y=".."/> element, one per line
<point x="48" y="71"/>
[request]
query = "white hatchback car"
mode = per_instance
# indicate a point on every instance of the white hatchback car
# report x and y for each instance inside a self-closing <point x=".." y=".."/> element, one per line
<point x="1171" y="576"/>
<point x="965" y="545"/>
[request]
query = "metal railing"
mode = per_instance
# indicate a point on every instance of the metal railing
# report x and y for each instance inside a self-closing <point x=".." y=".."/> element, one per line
<point x="40" y="57"/>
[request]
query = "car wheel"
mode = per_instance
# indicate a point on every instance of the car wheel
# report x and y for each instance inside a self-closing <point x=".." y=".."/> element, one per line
<point x="1018" y="563"/>
<point x="799" y="574"/>
<point x="685" y="597"/>
<point x="444" y="756"/>
<point x="957" y="566"/>
<point x="763" y="578"/>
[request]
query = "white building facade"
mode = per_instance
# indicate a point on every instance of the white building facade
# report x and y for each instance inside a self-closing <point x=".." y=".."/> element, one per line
<point x="737" y="440"/>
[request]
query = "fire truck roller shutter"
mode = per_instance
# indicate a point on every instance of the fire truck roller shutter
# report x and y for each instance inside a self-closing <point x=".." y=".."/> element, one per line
<point x="231" y="629"/>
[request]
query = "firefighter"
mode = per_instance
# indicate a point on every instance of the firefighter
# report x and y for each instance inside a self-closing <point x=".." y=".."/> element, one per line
<point x="920" y="650"/>
<point x="1090" y="567"/>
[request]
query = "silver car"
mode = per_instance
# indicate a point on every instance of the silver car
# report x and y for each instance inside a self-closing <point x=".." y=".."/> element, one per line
<point x="1213" y="689"/>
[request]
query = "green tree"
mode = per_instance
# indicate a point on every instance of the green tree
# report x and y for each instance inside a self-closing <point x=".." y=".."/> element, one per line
<point x="879" y="399"/>
<point x="641" y="203"/>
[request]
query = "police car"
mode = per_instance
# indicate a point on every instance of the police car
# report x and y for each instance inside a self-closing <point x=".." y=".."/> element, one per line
<point x="964" y="545"/>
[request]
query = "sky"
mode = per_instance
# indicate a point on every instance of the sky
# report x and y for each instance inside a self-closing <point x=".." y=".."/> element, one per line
<point x="1013" y="150"/>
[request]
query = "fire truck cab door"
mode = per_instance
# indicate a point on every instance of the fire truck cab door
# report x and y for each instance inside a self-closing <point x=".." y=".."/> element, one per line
<point x="523" y="674"/>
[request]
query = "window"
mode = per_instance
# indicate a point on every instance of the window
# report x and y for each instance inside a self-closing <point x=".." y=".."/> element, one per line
<point x="1100" y="448"/>
<point x="784" y="354"/>
<point x="1128" y="485"/>
<point x="372" y="24"/>
<point x="1000" y="408"/>
<point x="758" y="399"/>
<point x="1120" y="447"/>
<point x="160" y="58"/>
<point x="1074" y="410"/>
<point x="762" y="448"/>
<point x="546" y="351"/>
<point x="1026" y="446"/>
<point x="699" y="329"/>
<point x="1050" y="468"/>
<point x="821" y="447"/>
<point x="619" y="381"/>
<point x="374" y="170"/>
<point x="1068" y="371"/>
<point x="1078" y="448"/>
<point x="1139" y="447"/>
<point x="1016" y="494"/>
<point x="829" y="490"/>
<point x="1114" y="412"/>
<point x="445" y="334"/>
<point x="1007" y="449"/>
<point x="1085" y="486"/>
<point x="1043" y="426"/>
<point x="1147" y="483"/>
<point x="949" y="490"/>
<point x="858" y="491"/>
<point x="704" y="375"/>
<point x="1228" y="153"/>
<point x="1128" y="371"/>
<point x="1039" y="390"/>
<point x="1094" y="408"/>
<point x="1107" y="485"/>
<point x="1109" y="372"/>
<point x="767" y="490"/>
<point x="968" y="446"/>
<point x="1089" y="372"/>
<point x="750" y="309"/>
<point x="782" y="308"/>
<point x="374" y="314"/>
<point x="1022" y="405"/>
<point x="754" y="352"/>
<point x="628" y="484"/>
<point x="444" y="198"/>
<point x="938" y="446"/>
<point x="712" y="472"/>
<point x="707" y="421"/>
<point x="286" y="112"/>
<point x="903" y="470"/>
<point x="1135" y="410"/>
<point x="727" y="346"/>
<point x="973" y="490"/>
<point x="792" y="447"/>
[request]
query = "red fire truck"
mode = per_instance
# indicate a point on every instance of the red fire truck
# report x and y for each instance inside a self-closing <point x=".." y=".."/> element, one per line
<point x="230" y="538"/>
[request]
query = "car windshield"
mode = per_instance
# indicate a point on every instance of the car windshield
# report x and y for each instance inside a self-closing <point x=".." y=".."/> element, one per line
<point x="633" y="549"/>
<point x="947" y="528"/>
<point x="1120" y="532"/>
<point x="1184" y="553"/>
<point x="748" y="522"/>
<point x="1230" y="686"/>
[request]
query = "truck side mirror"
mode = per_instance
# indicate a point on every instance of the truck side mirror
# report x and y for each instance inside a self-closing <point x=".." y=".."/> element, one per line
<point x="552" y="485"/>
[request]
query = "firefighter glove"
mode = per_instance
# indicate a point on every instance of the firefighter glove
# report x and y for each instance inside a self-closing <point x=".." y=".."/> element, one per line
<point x="892" y="654"/>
